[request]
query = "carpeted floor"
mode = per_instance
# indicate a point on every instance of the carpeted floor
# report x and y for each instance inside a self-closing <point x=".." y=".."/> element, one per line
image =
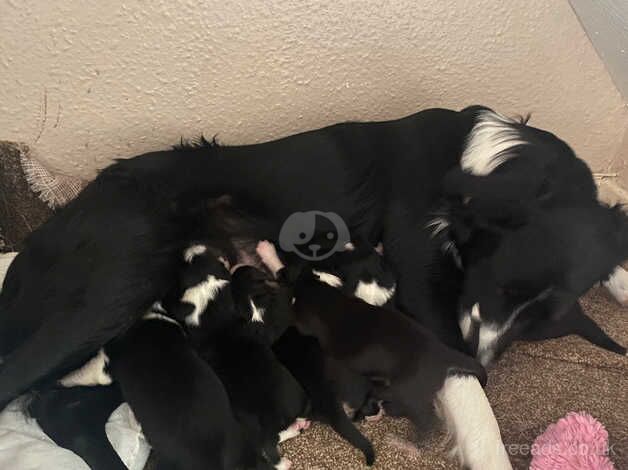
<point x="530" y="387"/>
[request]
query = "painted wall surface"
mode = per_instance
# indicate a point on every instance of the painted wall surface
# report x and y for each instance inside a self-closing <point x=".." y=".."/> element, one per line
<point x="85" y="82"/>
<point x="606" y="23"/>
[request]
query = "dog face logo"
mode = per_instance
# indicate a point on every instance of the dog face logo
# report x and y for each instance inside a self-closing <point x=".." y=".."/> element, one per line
<point x="314" y="235"/>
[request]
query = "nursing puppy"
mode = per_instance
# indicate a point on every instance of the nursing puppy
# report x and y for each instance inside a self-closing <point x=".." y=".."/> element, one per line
<point x="359" y="270"/>
<point x="181" y="404"/>
<point x="264" y="296"/>
<point x="410" y="369"/>
<point x="75" y="418"/>
<point x="232" y="323"/>
<point x="153" y="355"/>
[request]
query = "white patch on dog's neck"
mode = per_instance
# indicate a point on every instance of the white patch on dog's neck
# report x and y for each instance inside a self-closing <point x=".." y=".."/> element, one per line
<point x="257" y="313"/>
<point x="200" y="295"/>
<point x="374" y="294"/>
<point x="328" y="278"/>
<point x="193" y="251"/>
<point x="489" y="143"/>
<point x="93" y="372"/>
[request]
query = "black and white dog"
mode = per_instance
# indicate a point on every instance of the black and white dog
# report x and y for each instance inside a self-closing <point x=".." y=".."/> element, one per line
<point x="85" y="275"/>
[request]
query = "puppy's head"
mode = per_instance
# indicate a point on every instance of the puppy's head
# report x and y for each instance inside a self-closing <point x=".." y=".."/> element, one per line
<point x="364" y="273"/>
<point x="514" y="278"/>
<point x="253" y="291"/>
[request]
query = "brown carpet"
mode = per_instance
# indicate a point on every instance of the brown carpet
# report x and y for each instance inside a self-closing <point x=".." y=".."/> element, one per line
<point x="531" y="386"/>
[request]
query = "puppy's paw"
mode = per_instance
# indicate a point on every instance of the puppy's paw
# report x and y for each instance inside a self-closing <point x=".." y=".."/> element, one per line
<point x="267" y="252"/>
<point x="617" y="285"/>
<point x="283" y="464"/>
<point x="302" y="424"/>
<point x="376" y="417"/>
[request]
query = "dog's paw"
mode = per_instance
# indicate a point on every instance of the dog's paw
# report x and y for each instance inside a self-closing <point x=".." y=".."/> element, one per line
<point x="617" y="285"/>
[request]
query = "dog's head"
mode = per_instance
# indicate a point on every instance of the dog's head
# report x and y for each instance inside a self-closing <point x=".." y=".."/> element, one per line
<point x="515" y="277"/>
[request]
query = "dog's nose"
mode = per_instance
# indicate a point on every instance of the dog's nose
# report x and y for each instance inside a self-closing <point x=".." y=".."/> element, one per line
<point x="314" y="247"/>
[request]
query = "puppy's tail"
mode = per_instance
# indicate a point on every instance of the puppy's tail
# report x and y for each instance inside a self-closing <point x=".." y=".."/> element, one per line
<point x="588" y="329"/>
<point x="341" y="423"/>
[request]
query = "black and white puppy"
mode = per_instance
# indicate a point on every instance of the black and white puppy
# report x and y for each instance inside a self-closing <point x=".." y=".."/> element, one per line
<point x="233" y="327"/>
<point x="359" y="270"/>
<point x="524" y="282"/>
<point x="409" y="367"/>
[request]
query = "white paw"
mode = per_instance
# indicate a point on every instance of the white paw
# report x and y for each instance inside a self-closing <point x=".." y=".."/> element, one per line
<point x="284" y="464"/>
<point x="617" y="285"/>
<point x="302" y="424"/>
<point x="267" y="252"/>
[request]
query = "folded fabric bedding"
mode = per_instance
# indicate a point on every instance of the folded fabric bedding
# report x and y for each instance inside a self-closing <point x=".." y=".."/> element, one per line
<point x="24" y="446"/>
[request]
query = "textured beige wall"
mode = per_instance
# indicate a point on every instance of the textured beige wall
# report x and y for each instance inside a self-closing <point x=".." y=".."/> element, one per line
<point x="85" y="82"/>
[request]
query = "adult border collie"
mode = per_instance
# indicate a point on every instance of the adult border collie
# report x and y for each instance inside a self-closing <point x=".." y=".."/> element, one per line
<point x="87" y="274"/>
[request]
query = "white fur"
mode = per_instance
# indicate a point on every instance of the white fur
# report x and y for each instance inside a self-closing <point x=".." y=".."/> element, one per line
<point x="284" y="464"/>
<point x="292" y="431"/>
<point x="160" y="316"/>
<point x="193" y="251"/>
<point x="465" y="325"/>
<point x="475" y="312"/>
<point x="451" y="248"/>
<point x="617" y="285"/>
<point x="200" y="295"/>
<point x="489" y="143"/>
<point x="372" y="293"/>
<point x="258" y="313"/>
<point x="91" y="373"/>
<point x="470" y="421"/>
<point x="437" y="225"/>
<point x="491" y="332"/>
<point x="328" y="278"/>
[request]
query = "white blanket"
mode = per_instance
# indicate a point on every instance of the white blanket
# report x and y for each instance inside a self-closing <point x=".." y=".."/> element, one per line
<point x="24" y="446"/>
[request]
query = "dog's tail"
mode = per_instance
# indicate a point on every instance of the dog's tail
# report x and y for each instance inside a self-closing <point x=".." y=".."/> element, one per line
<point x="341" y="423"/>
